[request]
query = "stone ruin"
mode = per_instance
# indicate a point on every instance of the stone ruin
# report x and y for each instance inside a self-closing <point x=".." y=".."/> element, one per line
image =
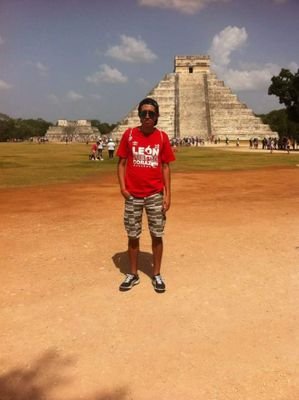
<point x="72" y="131"/>
<point x="194" y="102"/>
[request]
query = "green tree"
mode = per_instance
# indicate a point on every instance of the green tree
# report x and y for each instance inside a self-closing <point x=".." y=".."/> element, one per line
<point x="4" y="117"/>
<point x="278" y="121"/>
<point x="21" y="129"/>
<point x="7" y="130"/>
<point x="286" y="87"/>
<point x="103" y="127"/>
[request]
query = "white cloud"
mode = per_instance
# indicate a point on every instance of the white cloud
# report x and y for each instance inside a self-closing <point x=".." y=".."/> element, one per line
<point x="73" y="96"/>
<point x="40" y="67"/>
<point x="183" y="6"/>
<point x="107" y="74"/>
<point x="43" y="69"/>
<point x="1" y="40"/>
<point x="131" y="50"/>
<point x="293" y="66"/>
<point x="224" y="43"/>
<point x="249" y="76"/>
<point x="255" y="79"/>
<point x="4" y="85"/>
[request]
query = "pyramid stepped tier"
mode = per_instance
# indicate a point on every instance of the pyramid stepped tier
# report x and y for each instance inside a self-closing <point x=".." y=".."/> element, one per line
<point x="227" y="120"/>
<point x="194" y="102"/>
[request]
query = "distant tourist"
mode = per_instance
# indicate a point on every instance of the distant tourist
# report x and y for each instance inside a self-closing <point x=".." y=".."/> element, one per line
<point x="100" y="150"/>
<point x="111" y="148"/>
<point x="93" y="154"/>
<point x="271" y="141"/>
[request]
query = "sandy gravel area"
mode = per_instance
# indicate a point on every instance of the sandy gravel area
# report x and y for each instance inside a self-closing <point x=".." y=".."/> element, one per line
<point x="226" y="329"/>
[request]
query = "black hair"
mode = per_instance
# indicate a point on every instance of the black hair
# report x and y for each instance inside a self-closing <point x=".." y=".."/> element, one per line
<point x="152" y="102"/>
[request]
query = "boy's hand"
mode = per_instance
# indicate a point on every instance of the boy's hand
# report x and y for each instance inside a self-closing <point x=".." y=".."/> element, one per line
<point x="125" y="193"/>
<point x="166" y="203"/>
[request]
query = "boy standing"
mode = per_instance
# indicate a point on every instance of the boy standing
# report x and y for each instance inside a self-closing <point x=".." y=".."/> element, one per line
<point x="144" y="178"/>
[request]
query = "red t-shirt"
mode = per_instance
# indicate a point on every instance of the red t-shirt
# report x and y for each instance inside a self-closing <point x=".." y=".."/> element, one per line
<point x="145" y="156"/>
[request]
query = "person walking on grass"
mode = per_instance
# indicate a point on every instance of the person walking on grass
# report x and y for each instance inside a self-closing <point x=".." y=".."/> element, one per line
<point x="144" y="177"/>
<point x="100" y="150"/>
<point x="111" y="148"/>
<point x="94" y="149"/>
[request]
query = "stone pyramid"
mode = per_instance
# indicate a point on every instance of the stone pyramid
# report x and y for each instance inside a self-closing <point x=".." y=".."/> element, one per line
<point x="194" y="102"/>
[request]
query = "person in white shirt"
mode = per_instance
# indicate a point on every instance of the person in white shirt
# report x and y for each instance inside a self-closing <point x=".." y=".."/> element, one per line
<point x="100" y="150"/>
<point x="111" y="148"/>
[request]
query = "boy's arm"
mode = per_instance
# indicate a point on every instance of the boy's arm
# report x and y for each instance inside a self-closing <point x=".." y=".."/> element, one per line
<point x="121" y="170"/>
<point x="167" y="190"/>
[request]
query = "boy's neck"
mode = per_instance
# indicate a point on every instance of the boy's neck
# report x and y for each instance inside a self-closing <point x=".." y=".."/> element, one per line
<point x="147" y="131"/>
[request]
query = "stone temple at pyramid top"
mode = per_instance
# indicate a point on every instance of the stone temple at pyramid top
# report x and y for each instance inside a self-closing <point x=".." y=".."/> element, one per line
<point x="191" y="64"/>
<point x="194" y="102"/>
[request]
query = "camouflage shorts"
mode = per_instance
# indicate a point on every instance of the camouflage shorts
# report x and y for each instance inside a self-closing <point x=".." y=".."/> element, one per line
<point x="156" y="218"/>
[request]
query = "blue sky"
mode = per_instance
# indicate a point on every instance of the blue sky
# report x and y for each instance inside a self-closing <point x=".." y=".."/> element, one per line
<point x="96" y="59"/>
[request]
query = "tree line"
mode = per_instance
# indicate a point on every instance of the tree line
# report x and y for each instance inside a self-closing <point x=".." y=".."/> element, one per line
<point x="21" y="129"/>
<point x="285" y="121"/>
<point x="279" y="122"/>
<point x="24" y="129"/>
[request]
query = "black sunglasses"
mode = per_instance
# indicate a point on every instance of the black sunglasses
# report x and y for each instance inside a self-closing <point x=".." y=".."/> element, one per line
<point x="145" y="113"/>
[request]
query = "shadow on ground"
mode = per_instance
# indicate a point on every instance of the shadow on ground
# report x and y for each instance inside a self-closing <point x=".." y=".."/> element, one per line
<point x="145" y="262"/>
<point x="37" y="381"/>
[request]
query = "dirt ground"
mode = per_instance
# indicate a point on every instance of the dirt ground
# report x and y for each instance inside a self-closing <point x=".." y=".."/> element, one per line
<point x="226" y="329"/>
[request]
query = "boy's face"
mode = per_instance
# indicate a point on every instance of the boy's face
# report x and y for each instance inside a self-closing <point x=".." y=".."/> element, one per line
<point x="148" y="116"/>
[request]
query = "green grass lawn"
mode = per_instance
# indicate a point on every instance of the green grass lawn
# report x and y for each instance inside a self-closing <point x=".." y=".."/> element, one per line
<point x="213" y="158"/>
<point x="31" y="164"/>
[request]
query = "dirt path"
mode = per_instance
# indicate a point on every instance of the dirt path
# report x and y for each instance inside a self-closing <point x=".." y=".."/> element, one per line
<point x="226" y="329"/>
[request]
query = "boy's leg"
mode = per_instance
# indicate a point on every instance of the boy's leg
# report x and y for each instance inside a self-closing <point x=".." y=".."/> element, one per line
<point x="157" y="280"/>
<point x="132" y="221"/>
<point x="131" y="278"/>
<point x="157" y="248"/>
<point x="156" y="222"/>
<point x="133" y="251"/>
